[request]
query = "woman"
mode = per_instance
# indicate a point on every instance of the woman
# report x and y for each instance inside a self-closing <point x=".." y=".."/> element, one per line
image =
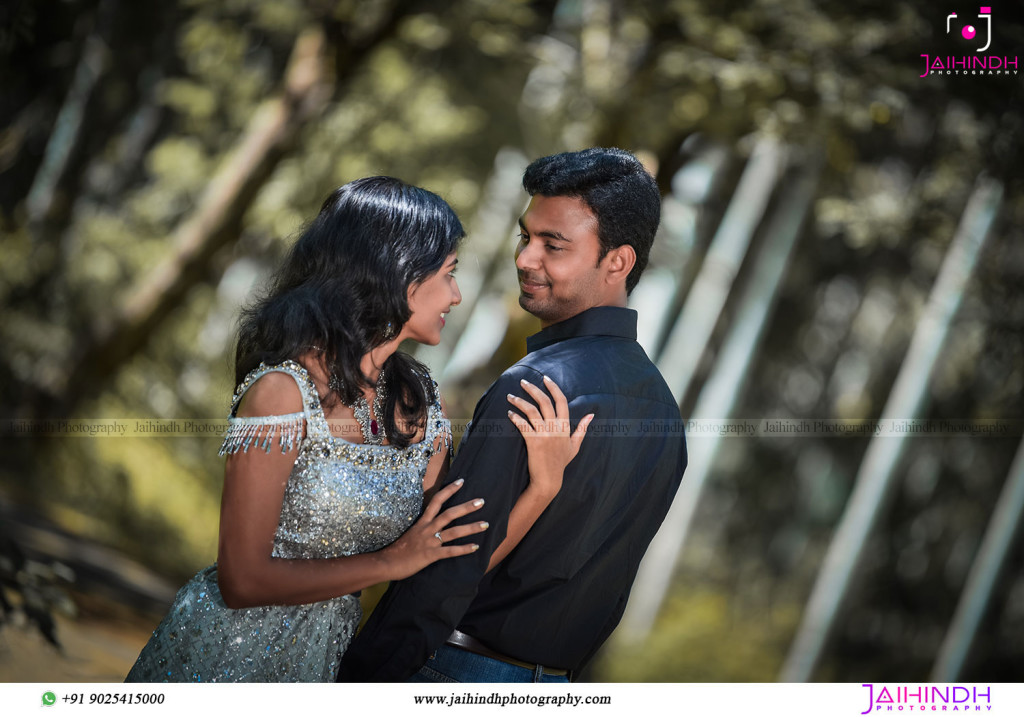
<point x="362" y="439"/>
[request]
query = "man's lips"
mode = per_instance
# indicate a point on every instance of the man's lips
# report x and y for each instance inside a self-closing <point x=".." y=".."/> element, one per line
<point x="529" y="285"/>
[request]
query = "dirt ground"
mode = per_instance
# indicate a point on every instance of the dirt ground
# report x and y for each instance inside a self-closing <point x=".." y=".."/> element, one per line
<point x="117" y="603"/>
<point x="100" y="645"/>
<point x="110" y="604"/>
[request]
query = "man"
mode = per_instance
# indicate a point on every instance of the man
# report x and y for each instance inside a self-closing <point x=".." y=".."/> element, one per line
<point x="543" y="612"/>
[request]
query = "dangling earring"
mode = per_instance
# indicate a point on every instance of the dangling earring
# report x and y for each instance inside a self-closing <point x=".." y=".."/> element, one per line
<point x="335" y="384"/>
<point x="389" y="331"/>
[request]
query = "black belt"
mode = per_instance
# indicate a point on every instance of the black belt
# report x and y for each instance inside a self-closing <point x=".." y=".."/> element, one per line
<point x="471" y="644"/>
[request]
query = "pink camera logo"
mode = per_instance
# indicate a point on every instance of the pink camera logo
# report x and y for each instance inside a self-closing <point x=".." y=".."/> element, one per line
<point x="966" y="63"/>
<point x="969" y="31"/>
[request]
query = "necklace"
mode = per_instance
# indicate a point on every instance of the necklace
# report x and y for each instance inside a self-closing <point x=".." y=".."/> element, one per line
<point x="372" y="428"/>
<point x="369" y="422"/>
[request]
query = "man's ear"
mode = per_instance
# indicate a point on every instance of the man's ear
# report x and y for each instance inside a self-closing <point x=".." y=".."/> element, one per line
<point x="618" y="262"/>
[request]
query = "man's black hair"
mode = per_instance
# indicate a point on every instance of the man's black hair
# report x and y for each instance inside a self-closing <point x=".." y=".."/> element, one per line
<point x="619" y="191"/>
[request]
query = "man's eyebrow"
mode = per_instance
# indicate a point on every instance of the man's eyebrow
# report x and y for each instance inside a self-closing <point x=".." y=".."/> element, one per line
<point x="546" y="234"/>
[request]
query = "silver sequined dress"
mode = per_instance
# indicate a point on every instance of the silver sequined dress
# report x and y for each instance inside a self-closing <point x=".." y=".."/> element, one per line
<point x="342" y="498"/>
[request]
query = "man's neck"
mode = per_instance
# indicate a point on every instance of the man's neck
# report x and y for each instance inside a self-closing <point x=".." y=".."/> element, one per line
<point x="620" y="303"/>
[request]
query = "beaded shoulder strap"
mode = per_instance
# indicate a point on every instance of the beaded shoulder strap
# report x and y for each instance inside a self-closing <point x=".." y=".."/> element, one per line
<point x="438" y="433"/>
<point x="289" y="429"/>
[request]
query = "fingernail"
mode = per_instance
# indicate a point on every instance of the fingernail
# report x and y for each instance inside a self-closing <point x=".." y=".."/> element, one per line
<point x="478" y="502"/>
<point x="474" y="546"/>
<point x="525" y="382"/>
<point x="484" y="525"/>
<point x="546" y="378"/>
<point x="460" y="481"/>
<point x="510" y="397"/>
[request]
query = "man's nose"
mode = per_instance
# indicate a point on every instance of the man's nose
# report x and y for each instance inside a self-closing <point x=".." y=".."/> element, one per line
<point x="526" y="256"/>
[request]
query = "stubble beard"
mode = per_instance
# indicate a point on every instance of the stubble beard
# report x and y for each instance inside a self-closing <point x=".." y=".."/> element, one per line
<point x="549" y="312"/>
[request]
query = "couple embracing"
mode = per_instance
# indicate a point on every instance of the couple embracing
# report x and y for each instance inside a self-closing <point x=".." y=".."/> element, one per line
<point x="339" y="473"/>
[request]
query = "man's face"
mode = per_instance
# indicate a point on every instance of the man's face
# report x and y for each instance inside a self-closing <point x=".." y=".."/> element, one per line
<point x="557" y="259"/>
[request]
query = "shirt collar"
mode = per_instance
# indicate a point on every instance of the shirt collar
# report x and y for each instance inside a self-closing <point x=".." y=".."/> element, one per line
<point x="596" y="321"/>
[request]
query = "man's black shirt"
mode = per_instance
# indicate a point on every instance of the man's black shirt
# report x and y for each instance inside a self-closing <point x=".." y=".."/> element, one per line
<point x="557" y="597"/>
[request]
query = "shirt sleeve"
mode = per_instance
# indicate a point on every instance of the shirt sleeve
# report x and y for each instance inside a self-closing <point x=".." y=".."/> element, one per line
<point x="416" y="615"/>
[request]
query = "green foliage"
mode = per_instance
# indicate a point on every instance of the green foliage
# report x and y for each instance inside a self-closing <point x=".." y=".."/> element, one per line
<point x="702" y="636"/>
<point x="434" y="99"/>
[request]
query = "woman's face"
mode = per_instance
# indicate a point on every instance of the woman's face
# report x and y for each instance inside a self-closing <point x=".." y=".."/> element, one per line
<point x="429" y="301"/>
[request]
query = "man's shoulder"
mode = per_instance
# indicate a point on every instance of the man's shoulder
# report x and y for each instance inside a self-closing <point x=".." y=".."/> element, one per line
<point x="493" y="403"/>
<point x="594" y="365"/>
<point x="572" y="351"/>
<point x="510" y="377"/>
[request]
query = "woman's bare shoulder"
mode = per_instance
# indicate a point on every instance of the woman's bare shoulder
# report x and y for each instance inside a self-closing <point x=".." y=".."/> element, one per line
<point x="273" y="394"/>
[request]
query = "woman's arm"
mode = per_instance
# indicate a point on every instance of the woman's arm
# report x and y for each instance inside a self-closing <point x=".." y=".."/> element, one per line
<point x="254" y="485"/>
<point x="551" y="445"/>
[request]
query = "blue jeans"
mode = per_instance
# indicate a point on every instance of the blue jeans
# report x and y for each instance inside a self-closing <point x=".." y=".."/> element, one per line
<point x="452" y="664"/>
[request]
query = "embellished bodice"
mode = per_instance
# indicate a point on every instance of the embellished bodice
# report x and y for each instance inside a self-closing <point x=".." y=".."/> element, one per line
<point x="342" y="498"/>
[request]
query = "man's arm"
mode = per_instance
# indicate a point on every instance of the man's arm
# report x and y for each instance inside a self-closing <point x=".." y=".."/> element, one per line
<point x="417" y="615"/>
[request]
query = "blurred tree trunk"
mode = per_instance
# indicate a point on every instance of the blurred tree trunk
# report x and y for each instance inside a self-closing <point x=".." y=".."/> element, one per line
<point x="706" y="299"/>
<point x="907" y="400"/>
<point x="987" y="565"/>
<point x="64" y="150"/>
<point x="308" y="89"/>
<point x="106" y="88"/>
<point x="723" y="389"/>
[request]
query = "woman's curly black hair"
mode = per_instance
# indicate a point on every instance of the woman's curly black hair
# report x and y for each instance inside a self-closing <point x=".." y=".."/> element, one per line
<point x="343" y="288"/>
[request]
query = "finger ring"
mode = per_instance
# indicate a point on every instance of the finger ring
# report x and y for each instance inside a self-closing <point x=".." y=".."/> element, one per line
<point x="438" y="536"/>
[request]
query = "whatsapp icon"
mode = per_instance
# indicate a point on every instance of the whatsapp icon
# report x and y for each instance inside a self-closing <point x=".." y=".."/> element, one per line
<point x="49" y="698"/>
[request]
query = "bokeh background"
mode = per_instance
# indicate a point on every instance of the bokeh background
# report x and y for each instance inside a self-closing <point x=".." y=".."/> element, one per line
<point x="841" y="245"/>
